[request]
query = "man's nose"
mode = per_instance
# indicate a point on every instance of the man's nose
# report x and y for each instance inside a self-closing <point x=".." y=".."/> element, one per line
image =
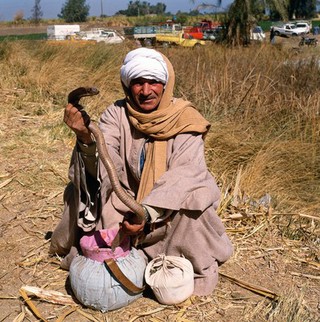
<point x="146" y="89"/>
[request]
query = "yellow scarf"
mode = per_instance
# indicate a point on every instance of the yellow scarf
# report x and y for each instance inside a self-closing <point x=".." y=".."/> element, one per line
<point x="173" y="116"/>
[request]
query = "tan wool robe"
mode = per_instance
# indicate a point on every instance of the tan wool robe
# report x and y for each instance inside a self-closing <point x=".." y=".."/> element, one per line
<point x="175" y="180"/>
<point x="186" y="190"/>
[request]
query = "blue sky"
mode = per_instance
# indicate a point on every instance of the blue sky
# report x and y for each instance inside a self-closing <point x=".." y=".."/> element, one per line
<point x="51" y="8"/>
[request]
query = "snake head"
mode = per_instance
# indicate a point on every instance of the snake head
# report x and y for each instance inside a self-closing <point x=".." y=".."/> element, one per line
<point x="75" y="95"/>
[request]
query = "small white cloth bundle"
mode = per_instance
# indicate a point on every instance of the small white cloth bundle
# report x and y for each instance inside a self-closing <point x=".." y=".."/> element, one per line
<point x="171" y="278"/>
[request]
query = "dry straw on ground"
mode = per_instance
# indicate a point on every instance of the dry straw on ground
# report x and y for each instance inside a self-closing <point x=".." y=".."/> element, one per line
<point x="263" y="148"/>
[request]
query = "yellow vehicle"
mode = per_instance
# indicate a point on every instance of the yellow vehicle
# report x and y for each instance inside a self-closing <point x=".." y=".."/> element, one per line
<point x="177" y="39"/>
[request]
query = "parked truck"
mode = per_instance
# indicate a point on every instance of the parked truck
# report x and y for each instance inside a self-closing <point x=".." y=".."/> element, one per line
<point x="288" y="29"/>
<point x="146" y="35"/>
<point x="101" y="35"/>
<point x="166" y="40"/>
<point x="62" y="32"/>
<point x="201" y="30"/>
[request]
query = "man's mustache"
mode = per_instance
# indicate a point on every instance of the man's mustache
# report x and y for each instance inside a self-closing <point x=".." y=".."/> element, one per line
<point x="145" y="98"/>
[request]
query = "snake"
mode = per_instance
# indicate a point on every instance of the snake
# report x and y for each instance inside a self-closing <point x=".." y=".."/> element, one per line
<point x="74" y="99"/>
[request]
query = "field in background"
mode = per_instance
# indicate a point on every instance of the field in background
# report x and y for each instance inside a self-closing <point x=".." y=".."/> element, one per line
<point x="263" y="148"/>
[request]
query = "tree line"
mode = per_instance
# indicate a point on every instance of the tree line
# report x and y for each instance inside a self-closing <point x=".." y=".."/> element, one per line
<point x="78" y="10"/>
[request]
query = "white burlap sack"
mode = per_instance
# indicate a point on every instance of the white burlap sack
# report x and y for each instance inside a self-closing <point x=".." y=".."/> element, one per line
<point x="171" y="278"/>
<point x="94" y="287"/>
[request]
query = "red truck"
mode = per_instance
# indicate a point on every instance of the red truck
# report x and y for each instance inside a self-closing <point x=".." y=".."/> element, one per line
<point x="197" y="31"/>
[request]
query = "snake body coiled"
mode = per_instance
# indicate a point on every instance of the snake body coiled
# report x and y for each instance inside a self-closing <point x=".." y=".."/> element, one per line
<point x="74" y="98"/>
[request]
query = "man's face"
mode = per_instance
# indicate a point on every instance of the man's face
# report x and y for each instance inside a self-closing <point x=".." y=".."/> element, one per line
<point x="147" y="93"/>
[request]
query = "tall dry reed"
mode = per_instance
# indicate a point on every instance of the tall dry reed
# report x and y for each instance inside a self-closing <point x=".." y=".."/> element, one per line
<point x="264" y="107"/>
<point x="262" y="101"/>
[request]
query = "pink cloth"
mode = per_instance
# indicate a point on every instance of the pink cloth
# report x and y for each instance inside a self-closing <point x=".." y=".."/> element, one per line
<point x="97" y="245"/>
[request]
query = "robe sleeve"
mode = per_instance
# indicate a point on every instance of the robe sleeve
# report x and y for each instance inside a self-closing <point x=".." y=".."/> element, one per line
<point x="89" y="157"/>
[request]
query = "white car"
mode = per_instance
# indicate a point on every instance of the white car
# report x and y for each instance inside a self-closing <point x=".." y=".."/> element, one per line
<point x="290" y="29"/>
<point x="304" y="27"/>
<point x="102" y="35"/>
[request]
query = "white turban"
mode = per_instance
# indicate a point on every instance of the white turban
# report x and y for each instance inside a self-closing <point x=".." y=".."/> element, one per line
<point x="144" y="62"/>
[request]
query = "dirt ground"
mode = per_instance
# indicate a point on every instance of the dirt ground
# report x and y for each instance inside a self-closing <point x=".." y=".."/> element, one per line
<point x="273" y="274"/>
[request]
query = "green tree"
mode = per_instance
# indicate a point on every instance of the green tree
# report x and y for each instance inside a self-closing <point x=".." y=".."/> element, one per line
<point x="137" y="8"/>
<point x="243" y="14"/>
<point x="36" y="12"/>
<point x="280" y="7"/>
<point x="181" y="17"/>
<point x="159" y="8"/>
<point x="74" y="11"/>
<point x="302" y="9"/>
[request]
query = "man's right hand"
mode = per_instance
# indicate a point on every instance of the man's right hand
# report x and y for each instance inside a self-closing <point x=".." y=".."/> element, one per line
<point x="73" y="118"/>
<point x="130" y="228"/>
